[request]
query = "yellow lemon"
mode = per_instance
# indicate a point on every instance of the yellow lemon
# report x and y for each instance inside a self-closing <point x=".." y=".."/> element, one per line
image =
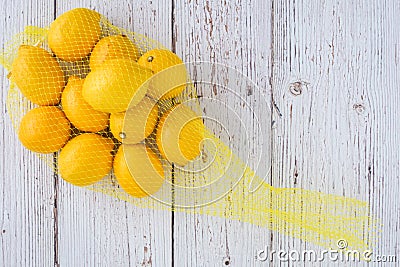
<point x="86" y="159"/>
<point x="73" y="34"/>
<point x="38" y="75"/>
<point x="115" y="85"/>
<point x="171" y="75"/>
<point x="44" y="130"/>
<point x="78" y="111"/>
<point x="136" y="123"/>
<point x="112" y="47"/>
<point x="179" y="136"/>
<point x="138" y="170"/>
<point x="159" y="59"/>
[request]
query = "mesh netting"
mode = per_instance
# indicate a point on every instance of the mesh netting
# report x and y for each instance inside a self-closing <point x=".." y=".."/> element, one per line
<point x="123" y="116"/>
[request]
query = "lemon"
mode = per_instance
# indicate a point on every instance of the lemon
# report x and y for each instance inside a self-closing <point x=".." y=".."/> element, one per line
<point x="138" y="170"/>
<point x="86" y="159"/>
<point x="112" y="47"/>
<point x="38" y="75"/>
<point x="171" y="75"/>
<point x="179" y="135"/>
<point x="136" y="123"/>
<point x="159" y="59"/>
<point x="73" y="34"/>
<point x="78" y="111"/>
<point x="115" y="85"/>
<point x="44" y="130"/>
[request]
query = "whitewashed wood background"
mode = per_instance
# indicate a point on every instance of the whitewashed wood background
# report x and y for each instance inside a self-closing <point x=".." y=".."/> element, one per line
<point x="331" y="67"/>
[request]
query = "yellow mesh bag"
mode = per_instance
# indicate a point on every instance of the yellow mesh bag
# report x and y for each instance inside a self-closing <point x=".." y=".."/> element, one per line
<point x="123" y="116"/>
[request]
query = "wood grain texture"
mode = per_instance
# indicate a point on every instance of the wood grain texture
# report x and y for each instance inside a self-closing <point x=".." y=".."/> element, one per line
<point x="97" y="230"/>
<point x="233" y="34"/>
<point x="27" y="183"/>
<point x="333" y="70"/>
<point x="334" y="77"/>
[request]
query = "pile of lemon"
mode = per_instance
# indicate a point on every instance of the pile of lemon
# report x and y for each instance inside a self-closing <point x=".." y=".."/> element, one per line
<point x="103" y="121"/>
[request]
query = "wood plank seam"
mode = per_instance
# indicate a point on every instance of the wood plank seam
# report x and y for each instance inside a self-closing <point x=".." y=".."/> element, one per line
<point x="56" y="185"/>
<point x="173" y="49"/>
<point x="273" y="104"/>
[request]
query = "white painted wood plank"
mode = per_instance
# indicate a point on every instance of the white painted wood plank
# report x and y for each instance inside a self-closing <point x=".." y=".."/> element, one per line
<point x="236" y="34"/>
<point x="340" y="134"/>
<point x="27" y="183"/>
<point x="98" y="230"/>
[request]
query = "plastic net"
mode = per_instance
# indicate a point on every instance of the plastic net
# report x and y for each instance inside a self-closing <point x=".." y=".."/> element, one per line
<point x="124" y="116"/>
